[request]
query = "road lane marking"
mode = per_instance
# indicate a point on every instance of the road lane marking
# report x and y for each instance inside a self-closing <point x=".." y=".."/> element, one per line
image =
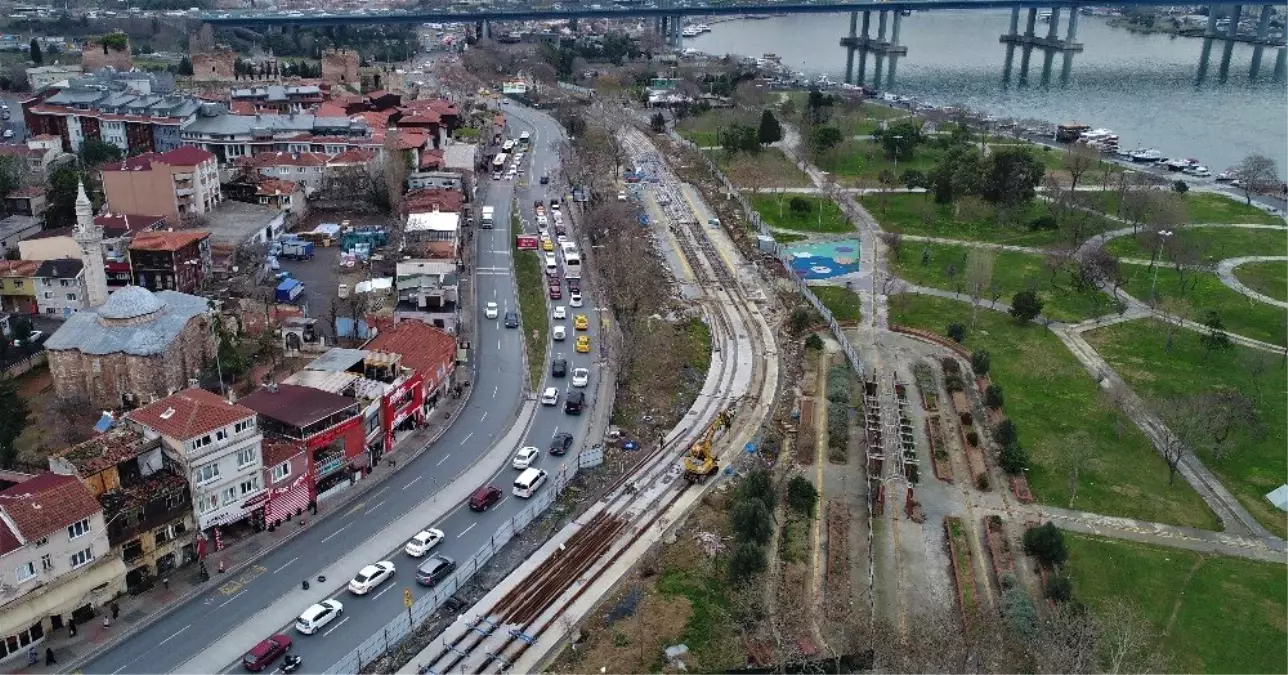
<point x="356" y="508"/>
<point x="332" y="629"/>
<point x="444" y="459"/>
<point x="377" y="492"/>
<point x="462" y="534"/>
<point x="413" y="481"/>
<point x="238" y="595"/>
<point x="232" y="587"/>
<point x="494" y="390"/>
<point x="387" y="589"/>
<point x="176" y="634"/>
<point x="467" y="438"/>
<point x="498" y="344"/>
<point x="484" y="416"/>
<point x="376" y="506"/>
<point x="331" y="536"/>
<point x="498" y="504"/>
<point x="288" y="564"/>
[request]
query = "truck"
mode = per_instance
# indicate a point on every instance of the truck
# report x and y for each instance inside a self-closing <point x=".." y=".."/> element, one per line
<point x="289" y="290"/>
<point x="489" y="213"/>
<point x="297" y="249"/>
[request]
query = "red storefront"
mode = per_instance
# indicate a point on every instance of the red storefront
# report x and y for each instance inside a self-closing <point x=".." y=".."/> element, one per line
<point x="403" y="404"/>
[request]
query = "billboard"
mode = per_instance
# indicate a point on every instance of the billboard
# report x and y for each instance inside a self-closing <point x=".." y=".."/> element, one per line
<point x="526" y="242"/>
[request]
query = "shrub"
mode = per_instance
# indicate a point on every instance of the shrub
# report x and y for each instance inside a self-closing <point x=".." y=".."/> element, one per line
<point x="814" y="342"/>
<point x="950" y="365"/>
<point x="802" y="496"/>
<point x="993" y="397"/>
<point x="941" y="454"/>
<point x="838" y="432"/>
<point x="838" y="386"/>
<point x="1014" y="459"/>
<point x="1059" y="588"/>
<point x="957" y="332"/>
<point x="799" y="320"/>
<point x="1046" y="543"/>
<point x="1025" y="306"/>
<point x="747" y="561"/>
<point x="799" y="206"/>
<point x="751" y="521"/>
<point x="982" y="482"/>
<point x="973" y="438"/>
<point x="968" y="419"/>
<point x="1006" y="433"/>
<point x="979" y="362"/>
<point x="953" y="382"/>
<point x="1019" y="611"/>
<point x="1046" y="222"/>
<point x="759" y="486"/>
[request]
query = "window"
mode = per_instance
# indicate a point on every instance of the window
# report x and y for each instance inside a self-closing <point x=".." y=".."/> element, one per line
<point x="249" y="486"/>
<point x="221" y="435"/>
<point x="18" y="284"/>
<point x="206" y="504"/>
<point x="227" y="495"/>
<point x="46" y="282"/>
<point x="51" y="310"/>
<point x="281" y="471"/>
<point x="41" y="542"/>
<point x="245" y="458"/>
<point x="205" y="474"/>
<point x="64" y="283"/>
<point x="49" y="295"/>
<point x="78" y="529"/>
<point x="46" y="563"/>
<point x="243" y="425"/>
<point x="200" y="443"/>
<point x="25" y="571"/>
<point x="81" y="558"/>
<point x="71" y="296"/>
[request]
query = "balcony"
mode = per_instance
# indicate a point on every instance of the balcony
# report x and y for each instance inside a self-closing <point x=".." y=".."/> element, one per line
<point x="182" y="177"/>
<point x="184" y="192"/>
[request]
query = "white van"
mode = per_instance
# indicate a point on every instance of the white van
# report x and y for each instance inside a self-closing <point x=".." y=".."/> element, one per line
<point x="527" y="483"/>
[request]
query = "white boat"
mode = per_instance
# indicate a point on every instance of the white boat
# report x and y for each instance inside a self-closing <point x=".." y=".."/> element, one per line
<point x="689" y="31"/>
<point x="1198" y="171"/>
<point x="1149" y="155"/>
<point x="1177" y="164"/>
<point x="703" y="28"/>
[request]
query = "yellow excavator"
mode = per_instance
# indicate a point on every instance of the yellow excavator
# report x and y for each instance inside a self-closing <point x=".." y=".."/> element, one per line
<point x="700" y="463"/>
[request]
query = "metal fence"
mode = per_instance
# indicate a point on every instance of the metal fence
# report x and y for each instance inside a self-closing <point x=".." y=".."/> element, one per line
<point x="398" y="630"/>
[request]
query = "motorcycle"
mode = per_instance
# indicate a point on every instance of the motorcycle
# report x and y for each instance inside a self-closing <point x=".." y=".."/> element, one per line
<point x="291" y="663"/>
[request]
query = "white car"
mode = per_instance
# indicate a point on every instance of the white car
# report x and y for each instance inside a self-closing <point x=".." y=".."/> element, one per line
<point x="492" y="310"/>
<point x="561" y="238"/>
<point x="317" y="616"/>
<point x="580" y="377"/>
<point x="574" y="299"/>
<point x="550" y="396"/>
<point x="371" y="576"/>
<point x="526" y="456"/>
<point x="560" y="312"/>
<point x="559" y="333"/>
<point x="621" y="196"/>
<point x="422" y="542"/>
<point x="542" y="221"/>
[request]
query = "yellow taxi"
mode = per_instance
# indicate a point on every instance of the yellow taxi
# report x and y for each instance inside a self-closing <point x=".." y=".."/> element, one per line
<point x="580" y="322"/>
<point x="547" y="245"/>
<point x="583" y="344"/>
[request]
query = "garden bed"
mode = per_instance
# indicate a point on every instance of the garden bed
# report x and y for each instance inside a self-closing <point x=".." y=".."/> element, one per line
<point x="959" y="555"/>
<point x="999" y="547"/>
<point x="926" y="384"/>
<point x="938" y="453"/>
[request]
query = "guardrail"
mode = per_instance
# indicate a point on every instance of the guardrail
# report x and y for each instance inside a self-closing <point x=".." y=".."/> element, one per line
<point x="398" y="630"/>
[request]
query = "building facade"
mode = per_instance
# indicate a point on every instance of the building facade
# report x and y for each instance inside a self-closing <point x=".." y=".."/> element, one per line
<point x="121" y="110"/>
<point x="18" y="286"/>
<point x="176" y="261"/>
<point x="60" y="287"/>
<point x="425" y="349"/>
<point x="174" y="184"/>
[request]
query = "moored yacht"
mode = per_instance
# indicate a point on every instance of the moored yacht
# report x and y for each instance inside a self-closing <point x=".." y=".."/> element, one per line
<point x="1148" y="155"/>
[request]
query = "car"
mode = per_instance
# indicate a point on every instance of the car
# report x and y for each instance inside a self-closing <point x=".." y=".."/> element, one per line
<point x="583" y="344"/>
<point x="512" y="319"/>
<point x="266" y="652"/>
<point x="559" y="333"/>
<point x="575" y="402"/>
<point x="434" y="570"/>
<point x="554" y="204"/>
<point x="317" y="616"/>
<point x="484" y="498"/>
<point x="580" y="377"/>
<point x="34" y="337"/>
<point x="574" y="285"/>
<point x="559" y="313"/>
<point x="545" y="179"/>
<point x="550" y="396"/>
<point x="547" y="245"/>
<point x="559" y="368"/>
<point x="541" y="220"/>
<point x="8" y="134"/>
<point x="574" y="299"/>
<point x="422" y="542"/>
<point x="560" y="443"/>
<point x="581" y="322"/>
<point x="525" y="457"/>
<point x="556" y="291"/>
<point x="621" y="196"/>
<point x="370" y="577"/>
<point x="492" y="310"/>
<point x="561" y="237"/>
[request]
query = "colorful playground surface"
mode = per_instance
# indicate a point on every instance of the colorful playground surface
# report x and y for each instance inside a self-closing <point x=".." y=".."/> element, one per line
<point x="824" y="260"/>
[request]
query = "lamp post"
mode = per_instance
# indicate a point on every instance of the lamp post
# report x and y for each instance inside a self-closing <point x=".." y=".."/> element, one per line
<point x="1162" y="237"/>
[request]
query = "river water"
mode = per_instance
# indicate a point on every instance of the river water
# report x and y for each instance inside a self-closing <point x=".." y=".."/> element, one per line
<point x="1144" y="87"/>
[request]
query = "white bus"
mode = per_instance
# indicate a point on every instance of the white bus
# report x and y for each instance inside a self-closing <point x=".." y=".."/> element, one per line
<point x="507" y="146"/>
<point x="525" y="138"/>
<point x="572" y="265"/>
<point x="529" y="482"/>
<point x="498" y="164"/>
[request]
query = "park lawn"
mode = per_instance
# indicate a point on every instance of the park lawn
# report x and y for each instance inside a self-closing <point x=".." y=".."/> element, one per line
<point x="1203" y="207"/>
<point x="1012" y="272"/>
<point x="704" y="129"/>
<point x="865" y="160"/>
<point x="1240" y="314"/>
<point x="769" y="168"/>
<point x="1050" y="397"/>
<point x="1269" y="277"/>
<point x="918" y="214"/>
<point x="1218" y="243"/>
<point x="840" y="301"/>
<point x="1213" y="614"/>
<point x="823" y="216"/>
<point x="1137" y="351"/>
<point x="785" y="237"/>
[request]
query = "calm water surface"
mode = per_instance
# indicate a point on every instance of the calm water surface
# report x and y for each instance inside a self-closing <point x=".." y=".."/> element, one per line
<point x="1144" y="87"/>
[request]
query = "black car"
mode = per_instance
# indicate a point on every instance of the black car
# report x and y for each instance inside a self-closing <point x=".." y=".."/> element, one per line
<point x="545" y="179"/>
<point x="574" y="285"/>
<point x="511" y="319"/>
<point x="560" y="443"/>
<point x="574" y="402"/>
<point x="435" y="570"/>
<point x="559" y="368"/>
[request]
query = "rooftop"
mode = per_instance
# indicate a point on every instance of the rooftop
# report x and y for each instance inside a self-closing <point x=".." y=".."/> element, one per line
<point x="276" y="450"/>
<point x="47" y="503"/>
<point x="189" y="414"/>
<point x="234" y="222"/>
<point x="338" y="359"/>
<point x="294" y="405"/>
<point x="272" y="187"/>
<point x="433" y="221"/>
<point x="106" y="450"/>
<point x="133" y="321"/>
<point x="19" y="268"/>
<point x="61" y="268"/>
<point x="184" y="156"/>
<point x="423" y="347"/>
<point x="124" y="223"/>
<point x="459" y="156"/>
<point x="268" y="159"/>
<point x="243" y="125"/>
<point x="162" y="240"/>
<point x="334" y="382"/>
<point x="15" y="224"/>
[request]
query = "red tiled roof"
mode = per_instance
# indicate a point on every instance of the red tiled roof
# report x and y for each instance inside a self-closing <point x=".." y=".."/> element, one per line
<point x="141" y="162"/>
<point x="18" y="268"/>
<point x="429" y="117"/>
<point x="161" y="240"/>
<point x="186" y="156"/>
<point x="242" y="108"/>
<point x="49" y="234"/>
<point x="377" y="94"/>
<point x="43" y="137"/>
<point x="277" y="450"/>
<point x="47" y="503"/>
<point x="352" y="156"/>
<point x="21" y="151"/>
<point x="431" y="159"/>
<point x="430" y="199"/>
<point x="192" y="413"/>
<point x="295" y="405"/>
<point x="423" y="348"/>
<point x="128" y="222"/>
<point x="270" y="187"/>
<point x="331" y="109"/>
<point x="29" y="192"/>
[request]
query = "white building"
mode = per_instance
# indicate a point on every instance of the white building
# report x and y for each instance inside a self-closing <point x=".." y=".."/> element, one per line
<point x="218" y="444"/>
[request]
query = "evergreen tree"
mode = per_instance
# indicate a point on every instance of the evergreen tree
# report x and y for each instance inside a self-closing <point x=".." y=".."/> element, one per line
<point x="36" y="56"/>
<point x="770" y="130"/>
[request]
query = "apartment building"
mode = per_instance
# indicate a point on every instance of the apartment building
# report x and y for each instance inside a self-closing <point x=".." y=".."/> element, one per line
<point x="231" y="137"/>
<point x="18" y="286"/>
<point x="60" y="287"/>
<point x="175" y="261"/>
<point x="174" y="184"/>
<point x="276" y="98"/>
<point x="121" y="109"/>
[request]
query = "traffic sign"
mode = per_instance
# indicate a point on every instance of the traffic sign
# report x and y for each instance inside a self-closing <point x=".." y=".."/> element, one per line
<point x="407" y="599"/>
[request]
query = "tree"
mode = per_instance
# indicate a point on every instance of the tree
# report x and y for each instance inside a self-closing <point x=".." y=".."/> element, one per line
<point x="1025" y="306"/>
<point x="739" y="137"/>
<point x="802" y="496"/>
<point x="1225" y="411"/>
<point x="758" y="485"/>
<point x="1006" y="433"/>
<point x="95" y="152"/>
<point x="957" y="332"/>
<point x="1046" y="543"/>
<point x="12" y="171"/>
<point x="1180" y="187"/>
<point x="185" y="66"/>
<point x="1079" y="455"/>
<point x="1174" y="313"/>
<point x="1215" y="338"/>
<point x="751" y="521"/>
<point x="770" y="130"/>
<point x="1011" y="176"/>
<point x="956" y="174"/>
<point x="1256" y="173"/>
<point x="1059" y="588"/>
<point x="980" y="361"/>
<point x="657" y="123"/>
<point x="817" y="108"/>
<point x="394" y="172"/>
<point x="1014" y="459"/>
<point x="36" y="57"/>
<point x="979" y="274"/>
<point x="747" y="560"/>
<point x="1079" y="160"/>
<point x="61" y="194"/>
<point x="14" y="414"/>
<point x="994" y="397"/>
<point x="899" y="140"/>
<point x="1182" y="424"/>
<point x="824" y="138"/>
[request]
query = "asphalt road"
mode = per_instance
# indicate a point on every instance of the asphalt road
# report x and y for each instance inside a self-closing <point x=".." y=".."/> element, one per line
<point x="192" y="628"/>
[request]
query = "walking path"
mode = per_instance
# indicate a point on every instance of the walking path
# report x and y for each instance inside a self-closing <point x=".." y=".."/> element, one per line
<point x="1225" y="270"/>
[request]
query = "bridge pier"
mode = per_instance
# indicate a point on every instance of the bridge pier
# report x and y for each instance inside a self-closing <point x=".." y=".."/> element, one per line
<point x="1281" y="63"/>
<point x="1232" y="31"/>
<point x="677" y="31"/>
<point x="1051" y="41"/>
<point x="863" y="43"/>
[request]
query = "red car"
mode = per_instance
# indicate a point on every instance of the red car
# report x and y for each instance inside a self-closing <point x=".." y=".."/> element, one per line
<point x="266" y="652"/>
<point x="555" y="292"/>
<point x="484" y="498"/>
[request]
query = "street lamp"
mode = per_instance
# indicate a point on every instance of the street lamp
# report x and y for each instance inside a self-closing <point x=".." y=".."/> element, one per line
<point x="1162" y="237"/>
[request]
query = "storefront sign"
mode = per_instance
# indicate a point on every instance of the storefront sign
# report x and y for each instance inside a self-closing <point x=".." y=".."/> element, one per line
<point x="330" y="466"/>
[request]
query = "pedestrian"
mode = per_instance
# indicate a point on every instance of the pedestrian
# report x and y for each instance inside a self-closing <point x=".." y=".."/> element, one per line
<point x="166" y="582"/>
<point x="116" y="610"/>
<point x="49" y="656"/>
<point x="71" y="629"/>
<point x="107" y="621"/>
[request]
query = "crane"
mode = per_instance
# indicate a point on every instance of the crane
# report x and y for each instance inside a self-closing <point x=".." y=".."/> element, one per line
<point x="700" y="463"/>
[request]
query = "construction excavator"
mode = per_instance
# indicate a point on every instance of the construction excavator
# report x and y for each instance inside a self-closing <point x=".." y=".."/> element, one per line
<point x="700" y="462"/>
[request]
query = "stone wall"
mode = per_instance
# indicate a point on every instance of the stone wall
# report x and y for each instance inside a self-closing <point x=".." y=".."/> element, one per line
<point x="341" y="67"/>
<point x="96" y="56"/>
<point x="118" y="374"/>
<point x="214" y="66"/>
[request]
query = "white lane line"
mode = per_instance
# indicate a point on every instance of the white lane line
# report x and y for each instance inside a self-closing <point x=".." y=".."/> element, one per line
<point x="332" y="629"/>
<point x="484" y="416"/>
<point x="387" y="589"/>
<point x="376" y="506"/>
<point x="333" y="534"/>
<point x="288" y="564"/>
<point x="498" y="504"/>
<point x="462" y="534"/>
<point x="221" y="605"/>
<point x="494" y="390"/>
<point x="498" y="344"/>
<point x="440" y="462"/>
<point x="467" y="438"/>
<point x="413" y="481"/>
<point x="176" y="633"/>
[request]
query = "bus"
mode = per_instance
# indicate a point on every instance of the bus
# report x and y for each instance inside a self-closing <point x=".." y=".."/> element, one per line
<point x="572" y="265"/>
<point x="498" y="165"/>
<point x="525" y="138"/>
<point x="507" y="146"/>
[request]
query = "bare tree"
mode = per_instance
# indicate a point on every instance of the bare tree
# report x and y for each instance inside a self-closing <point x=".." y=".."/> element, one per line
<point x="1079" y="455"/>
<point x="66" y="421"/>
<point x="893" y="242"/>
<point x="1174" y="313"/>
<point x="1183" y="424"/>
<point x="1228" y="410"/>
<point x="1256" y="173"/>
<point x="1055" y="262"/>
<point x="394" y="169"/>
<point x="979" y="274"/>
<point x="1079" y="160"/>
<point x="1098" y="267"/>
<point x="1128" y="642"/>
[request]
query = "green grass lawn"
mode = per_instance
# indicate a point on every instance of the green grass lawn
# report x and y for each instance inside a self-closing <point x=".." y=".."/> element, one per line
<point x="865" y="160"/>
<point x="1213" y="614"/>
<point x="840" y="301"/>
<point x="768" y="168"/>
<point x="1053" y="402"/>
<point x="1269" y="278"/>
<point x="823" y="216"/>
<point x="1012" y="272"/>
<point x="533" y="317"/>
<point x="1241" y="314"/>
<point x="704" y="129"/>
<point x="785" y="237"/>
<point x="1137" y="351"/>
<point x="1203" y="207"/>
<point x="1218" y="243"/>
<point x="919" y="214"/>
